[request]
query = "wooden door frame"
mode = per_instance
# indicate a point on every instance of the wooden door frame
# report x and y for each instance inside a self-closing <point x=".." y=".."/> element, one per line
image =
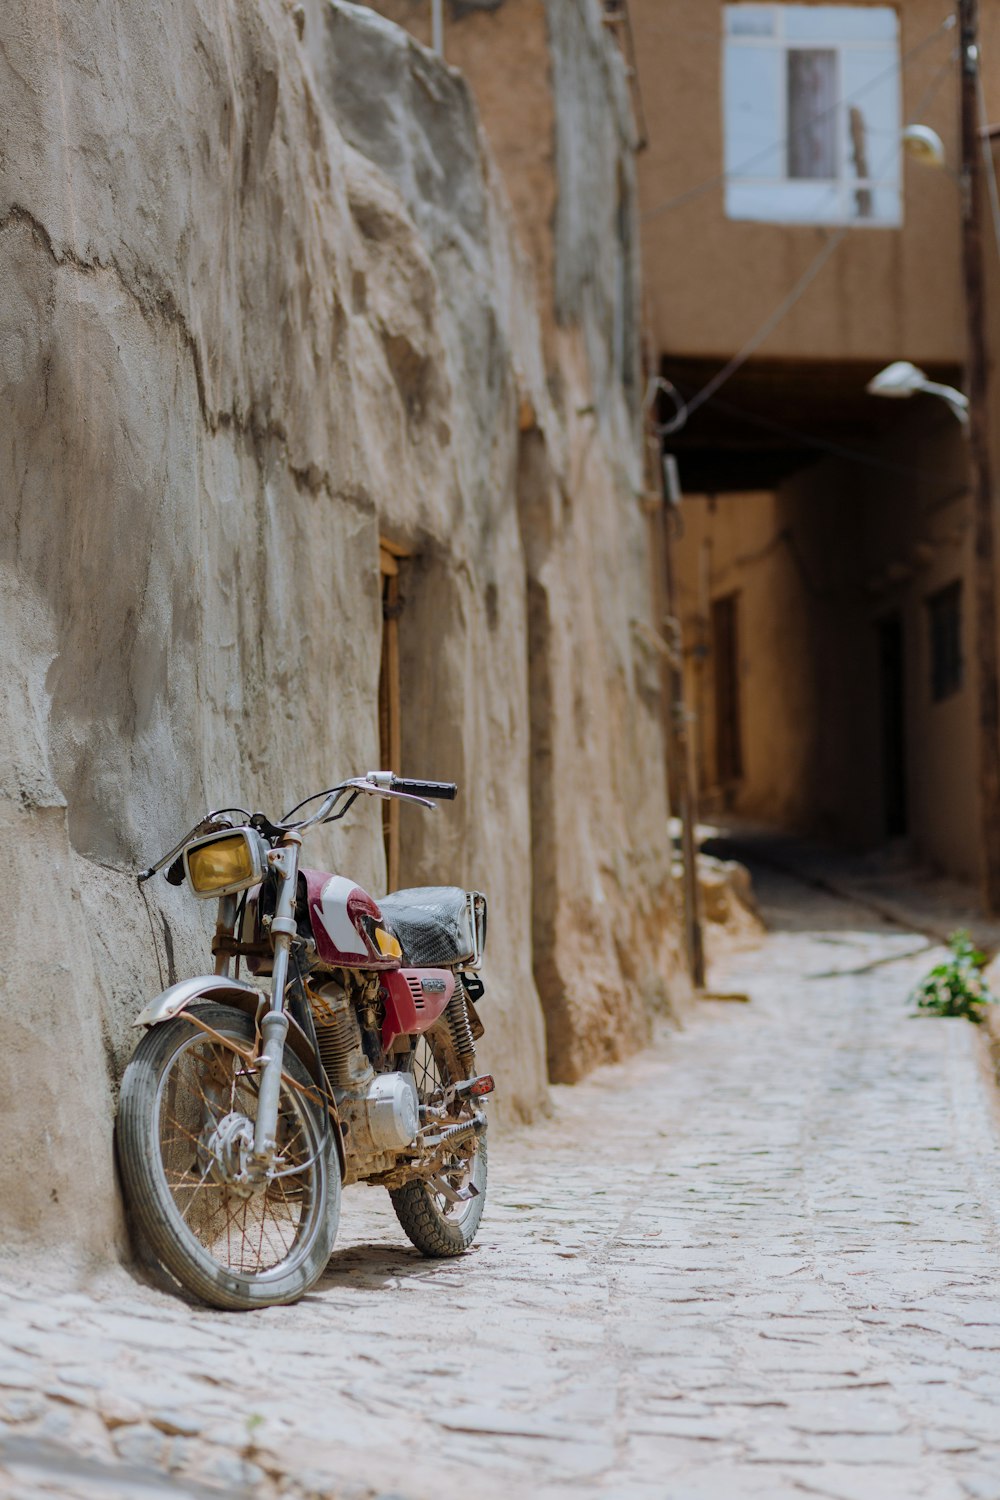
<point x="389" y="706"/>
<point x="725" y="637"/>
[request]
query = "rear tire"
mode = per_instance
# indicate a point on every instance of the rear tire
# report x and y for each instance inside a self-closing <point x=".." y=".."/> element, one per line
<point x="437" y="1228"/>
<point x="176" y="1089"/>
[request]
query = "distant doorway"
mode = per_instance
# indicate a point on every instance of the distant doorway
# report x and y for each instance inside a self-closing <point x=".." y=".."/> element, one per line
<point x="892" y="690"/>
<point x="726" y="673"/>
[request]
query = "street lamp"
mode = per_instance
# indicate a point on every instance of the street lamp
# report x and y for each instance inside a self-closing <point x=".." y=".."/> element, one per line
<point x="925" y="146"/>
<point x="902" y="379"/>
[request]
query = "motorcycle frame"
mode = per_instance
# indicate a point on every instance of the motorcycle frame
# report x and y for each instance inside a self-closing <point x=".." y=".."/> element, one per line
<point x="272" y="1019"/>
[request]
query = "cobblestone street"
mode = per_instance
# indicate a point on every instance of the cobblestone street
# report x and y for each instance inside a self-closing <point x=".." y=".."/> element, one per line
<point x="761" y="1260"/>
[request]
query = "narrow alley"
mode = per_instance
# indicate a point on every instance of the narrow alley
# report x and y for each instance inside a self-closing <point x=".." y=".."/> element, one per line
<point x="760" y="1260"/>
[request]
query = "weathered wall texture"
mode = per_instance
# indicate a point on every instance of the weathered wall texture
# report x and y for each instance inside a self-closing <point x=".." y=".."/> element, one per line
<point x="552" y="94"/>
<point x="259" y="302"/>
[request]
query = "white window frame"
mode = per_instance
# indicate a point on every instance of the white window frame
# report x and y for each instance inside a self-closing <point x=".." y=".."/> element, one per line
<point x="842" y="189"/>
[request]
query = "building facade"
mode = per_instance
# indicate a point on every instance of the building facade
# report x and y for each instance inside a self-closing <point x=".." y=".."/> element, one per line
<point x="793" y="249"/>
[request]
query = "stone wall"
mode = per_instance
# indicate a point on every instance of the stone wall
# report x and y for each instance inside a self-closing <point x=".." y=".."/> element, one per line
<point x="552" y="93"/>
<point x="260" y="302"/>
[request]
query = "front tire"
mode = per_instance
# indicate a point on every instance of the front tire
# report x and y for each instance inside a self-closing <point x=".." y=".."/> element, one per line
<point x="233" y="1249"/>
<point x="435" y="1226"/>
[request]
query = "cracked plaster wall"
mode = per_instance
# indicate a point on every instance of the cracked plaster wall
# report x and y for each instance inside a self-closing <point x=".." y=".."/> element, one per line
<point x="259" y="302"/>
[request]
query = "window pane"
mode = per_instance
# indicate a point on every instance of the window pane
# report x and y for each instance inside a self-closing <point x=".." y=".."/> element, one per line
<point x="812" y="113"/>
<point x="871" y="88"/>
<point x="809" y="203"/>
<point x="887" y="205"/>
<point x="840" y="23"/>
<point x="752" y="105"/>
<point x="785" y="202"/>
<point x="750" y="20"/>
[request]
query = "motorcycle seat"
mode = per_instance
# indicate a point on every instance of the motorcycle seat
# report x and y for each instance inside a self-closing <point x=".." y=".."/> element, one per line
<point x="433" y="923"/>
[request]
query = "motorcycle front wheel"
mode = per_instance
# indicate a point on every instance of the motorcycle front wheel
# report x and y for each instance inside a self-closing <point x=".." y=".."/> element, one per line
<point x="187" y="1103"/>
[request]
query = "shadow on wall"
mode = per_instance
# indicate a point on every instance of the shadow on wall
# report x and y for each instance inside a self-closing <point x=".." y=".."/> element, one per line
<point x="536" y="499"/>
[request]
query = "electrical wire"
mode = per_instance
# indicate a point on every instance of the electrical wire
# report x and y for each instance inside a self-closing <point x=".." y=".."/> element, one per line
<point x="758" y="337"/>
<point x="826" y="445"/>
<point x="852" y="455"/>
<point x="688" y="195"/>
<point x="924" y="102"/>
<point x="152" y="930"/>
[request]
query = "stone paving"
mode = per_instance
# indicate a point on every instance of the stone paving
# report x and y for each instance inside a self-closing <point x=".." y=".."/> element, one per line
<point x="760" y="1261"/>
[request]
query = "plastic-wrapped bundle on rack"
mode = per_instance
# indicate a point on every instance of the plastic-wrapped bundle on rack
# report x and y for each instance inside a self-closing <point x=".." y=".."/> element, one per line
<point x="438" y="924"/>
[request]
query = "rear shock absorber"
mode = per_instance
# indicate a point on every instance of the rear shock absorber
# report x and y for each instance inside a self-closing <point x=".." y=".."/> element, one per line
<point x="457" y="1016"/>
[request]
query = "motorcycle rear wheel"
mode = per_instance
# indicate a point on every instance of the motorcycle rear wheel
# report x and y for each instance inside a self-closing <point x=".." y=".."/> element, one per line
<point x="435" y="1226"/>
<point x="231" y="1250"/>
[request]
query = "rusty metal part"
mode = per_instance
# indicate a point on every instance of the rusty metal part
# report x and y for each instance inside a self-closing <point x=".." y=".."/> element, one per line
<point x="440" y="1152"/>
<point x="317" y="1094"/>
<point x="230" y="947"/>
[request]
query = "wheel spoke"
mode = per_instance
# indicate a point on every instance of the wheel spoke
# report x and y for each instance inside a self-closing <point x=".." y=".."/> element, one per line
<point x="197" y="1185"/>
<point x="203" y="1084"/>
<point x="186" y="1133"/>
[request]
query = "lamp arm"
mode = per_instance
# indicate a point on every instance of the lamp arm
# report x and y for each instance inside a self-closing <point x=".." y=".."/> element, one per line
<point x="958" y="402"/>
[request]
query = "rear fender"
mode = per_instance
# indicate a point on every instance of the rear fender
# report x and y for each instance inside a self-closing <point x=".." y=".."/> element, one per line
<point x="250" y="1000"/>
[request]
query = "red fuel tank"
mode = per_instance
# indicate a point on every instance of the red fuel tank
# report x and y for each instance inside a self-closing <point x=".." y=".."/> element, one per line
<point x="347" y="924"/>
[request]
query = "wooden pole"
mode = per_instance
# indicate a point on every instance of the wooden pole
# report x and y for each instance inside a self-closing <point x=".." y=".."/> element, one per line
<point x="390" y="716"/>
<point x="684" y="762"/>
<point x="681" y="770"/>
<point x="977" y="379"/>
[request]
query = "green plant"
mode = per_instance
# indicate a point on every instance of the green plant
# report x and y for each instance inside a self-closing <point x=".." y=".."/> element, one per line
<point x="956" y="987"/>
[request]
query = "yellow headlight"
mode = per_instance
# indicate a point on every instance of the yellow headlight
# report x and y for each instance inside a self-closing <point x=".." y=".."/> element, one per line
<point x="221" y="865"/>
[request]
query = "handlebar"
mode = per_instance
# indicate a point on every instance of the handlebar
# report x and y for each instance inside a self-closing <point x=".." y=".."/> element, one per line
<point x="376" y="783"/>
<point x="444" y="791"/>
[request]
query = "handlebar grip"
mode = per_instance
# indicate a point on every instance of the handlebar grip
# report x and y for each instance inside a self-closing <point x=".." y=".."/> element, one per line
<point x="444" y="791"/>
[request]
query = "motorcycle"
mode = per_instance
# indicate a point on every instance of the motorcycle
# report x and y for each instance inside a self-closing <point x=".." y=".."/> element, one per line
<point x="245" y="1108"/>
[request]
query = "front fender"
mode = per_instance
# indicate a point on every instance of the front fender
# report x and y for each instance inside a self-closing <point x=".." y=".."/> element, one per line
<point x="248" y="998"/>
<point x="205" y="987"/>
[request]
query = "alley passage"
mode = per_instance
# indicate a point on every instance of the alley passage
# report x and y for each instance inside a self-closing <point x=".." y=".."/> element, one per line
<point x="763" y="1260"/>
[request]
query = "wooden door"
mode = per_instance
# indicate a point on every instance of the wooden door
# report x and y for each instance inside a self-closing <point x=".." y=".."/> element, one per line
<point x="726" y="673"/>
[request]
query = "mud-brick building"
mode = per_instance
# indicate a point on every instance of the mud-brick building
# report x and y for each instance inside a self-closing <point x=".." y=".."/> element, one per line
<point x="824" y="542"/>
<point x="307" y="464"/>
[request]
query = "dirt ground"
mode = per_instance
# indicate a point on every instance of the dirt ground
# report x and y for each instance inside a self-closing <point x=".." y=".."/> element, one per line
<point x="758" y="1261"/>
